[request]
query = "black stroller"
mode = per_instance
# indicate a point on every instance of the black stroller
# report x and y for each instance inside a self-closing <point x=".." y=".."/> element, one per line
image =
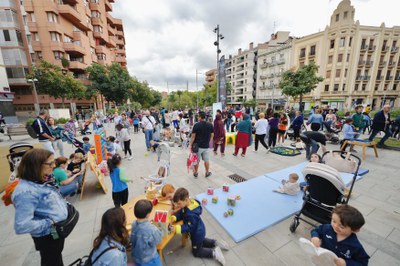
<point x="325" y="190"/>
<point x="75" y="142"/>
<point x="16" y="150"/>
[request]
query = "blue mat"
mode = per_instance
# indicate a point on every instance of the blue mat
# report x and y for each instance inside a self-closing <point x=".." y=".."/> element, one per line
<point x="258" y="208"/>
<point x="284" y="174"/>
<point x="363" y="171"/>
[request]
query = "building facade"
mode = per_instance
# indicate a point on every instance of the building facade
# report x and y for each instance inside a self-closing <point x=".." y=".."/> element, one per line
<point x="359" y="64"/>
<point x="274" y="58"/>
<point x="211" y="76"/>
<point x="6" y="96"/>
<point x="68" y="33"/>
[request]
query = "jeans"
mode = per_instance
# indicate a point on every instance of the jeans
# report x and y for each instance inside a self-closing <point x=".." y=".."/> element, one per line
<point x="58" y="143"/>
<point x="67" y="190"/>
<point x="148" y="134"/>
<point x="375" y="132"/>
<point x="47" y="146"/>
<point x="311" y="147"/>
<point x="204" y="249"/>
<point x="176" y="123"/>
<point x="127" y="147"/>
<point x="272" y="136"/>
<point x="260" y="138"/>
<point x="228" y="124"/>
<point x="222" y="147"/>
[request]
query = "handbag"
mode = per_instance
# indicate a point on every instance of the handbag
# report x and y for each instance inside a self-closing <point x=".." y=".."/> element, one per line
<point x="64" y="228"/>
<point x="195" y="147"/>
<point x="345" y="165"/>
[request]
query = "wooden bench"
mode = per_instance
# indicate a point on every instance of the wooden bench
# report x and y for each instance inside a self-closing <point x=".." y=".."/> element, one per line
<point x="17" y="130"/>
<point x="364" y="146"/>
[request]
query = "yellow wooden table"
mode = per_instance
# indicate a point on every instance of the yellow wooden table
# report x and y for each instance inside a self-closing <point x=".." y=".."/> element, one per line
<point x="161" y="206"/>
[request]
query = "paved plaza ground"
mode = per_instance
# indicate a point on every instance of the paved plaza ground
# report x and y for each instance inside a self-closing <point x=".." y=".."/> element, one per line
<point x="377" y="196"/>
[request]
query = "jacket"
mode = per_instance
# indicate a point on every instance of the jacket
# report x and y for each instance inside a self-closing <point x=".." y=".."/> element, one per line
<point x="40" y="126"/>
<point x="297" y="122"/>
<point x="144" y="238"/>
<point x="358" y="120"/>
<point x="115" y="256"/>
<point x="192" y="222"/>
<point x="349" y="249"/>
<point x="379" y="121"/>
<point x="37" y="206"/>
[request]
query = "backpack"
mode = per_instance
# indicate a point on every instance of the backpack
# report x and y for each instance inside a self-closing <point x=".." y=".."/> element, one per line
<point x="31" y="131"/>
<point x="87" y="260"/>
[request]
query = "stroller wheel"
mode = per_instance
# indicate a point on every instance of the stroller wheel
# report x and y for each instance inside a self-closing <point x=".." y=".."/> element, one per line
<point x="294" y="225"/>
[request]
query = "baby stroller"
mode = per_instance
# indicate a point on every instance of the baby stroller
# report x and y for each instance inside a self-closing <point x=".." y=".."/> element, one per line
<point x="332" y="133"/>
<point x="85" y="128"/>
<point x="158" y="179"/>
<point x="16" y="150"/>
<point x="75" y="142"/>
<point x="325" y="190"/>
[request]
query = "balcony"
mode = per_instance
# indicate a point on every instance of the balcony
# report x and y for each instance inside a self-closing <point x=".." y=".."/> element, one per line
<point x="111" y="42"/>
<point x="95" y="7"/>
<point x="391" y="64"/>
<point x="302" y="55"/>
<point x="100" y="49"/>
<point x="74" y="48"/>
<point x="311" y="54"/>
<point x="108" y="6"/>
<point x="264" y="65"/>
<point x="271" y="76"/>
<point x="70" y="2"/>
<point x="111" y="30"/>
<point x="397" y="79"/>
<point x="371" y="48"/>
<point x="120" y="51"/>
<point x="368" y="64"/>
<point x="359" y="78"/>
<point x="120" y="59"/>
<point x="36" y="46"/>
<point x="77" y="65"/>
<point x="262" y="87"/>
<point x="32" y="26"/>
<point x="110" y="19"/>
<point x="239" y="69"/>
<point x="97" y="21"/>
<point x="120" y="33"/>
<point x="388" y="78"/>
<point x="382" y="64"/>
<point x="118" y="21"/>
<point x="120" y="42"/>
<point x="28" y="5"/>
<point x="385" y="49"/>
<point x="55" y="27"/>
<point x="394" y="49"/>
<point x="379" y="78"/>
<point x="239" y="92"/>
<point x="99" y="35"/>
<point x="364" y="47"/>
<point x="69" y="13"/>
<point x="57" y="46"/>
<point x="239" y="84"/>
<point x="361" y="62"/>
<point x="280" y="62"/>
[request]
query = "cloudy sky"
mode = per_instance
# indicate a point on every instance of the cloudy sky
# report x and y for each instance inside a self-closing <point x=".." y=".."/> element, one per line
<point x="167" y="40"/>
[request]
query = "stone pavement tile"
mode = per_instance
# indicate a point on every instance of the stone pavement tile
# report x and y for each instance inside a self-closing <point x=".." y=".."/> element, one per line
<point x="381" y="258"/>
<point x="33" y="258"/>
<point x="175" y="254"/>
<point x="297" y="255"/>
<point x="15" y="254"/>
<point x="388" y="218"/>
<point x="273" y="238"/>
<point x="79" y="240"/>
<point x="394" y="236"/>
<point x="377" y="227"/>
<point x="253" y="252"/>
<point x="370" y="249"/>
<point x="363" y="208"/>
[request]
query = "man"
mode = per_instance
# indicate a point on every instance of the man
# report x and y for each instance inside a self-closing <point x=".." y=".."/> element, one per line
<point x="44" y="135"/>
<point x="148" y="123"/>
<point x="201" y="134"/>
<point x="175" y="120"/>
<point x="311" y="139"/>
<point x="358" y="120"/>
<point x="380" y="123"/>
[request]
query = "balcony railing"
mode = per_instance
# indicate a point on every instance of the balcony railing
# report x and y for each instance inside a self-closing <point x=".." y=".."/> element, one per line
<point x="263" y="77"/>
<point x="385" y="49"/>
<point x="262" y="87"/>
<point x="382" y="63"/>
<point x="361" y="62"/>
<point x="364" y="47"/>
<point x="363" y="77"/>
<point x="371" y="48"/>
<point x="369" y="63"/>
<point x="379" y="78"/>
<point x="311" y="54"/>
<point x="394" y="49"/>
<point x="302" y="55"/>
<point x="280" y="62"/>
<point x="239" y="69"/>
<point x="392" y="63"/>
<point x="388" y="78"/>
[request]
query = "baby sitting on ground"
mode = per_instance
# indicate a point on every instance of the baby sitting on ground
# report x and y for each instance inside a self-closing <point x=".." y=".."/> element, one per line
<point x="291" y="186"/>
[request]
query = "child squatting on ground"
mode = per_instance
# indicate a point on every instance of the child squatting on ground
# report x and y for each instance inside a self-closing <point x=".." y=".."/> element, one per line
<point x="190" y="211"/>
<point x="145" y="236"/>
<point x="291" y="186"/>
<point x="340" y="238"/>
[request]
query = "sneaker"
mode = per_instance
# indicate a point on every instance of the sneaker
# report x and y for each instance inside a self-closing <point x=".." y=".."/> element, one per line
<point x="218" y="255"/>
<point x="126" y="156"/>
<point x="195" y="175"/>
<point x="208" y="174"/>
<point x="243" y="155"/>
<point x="130" y="158"/>
<point x="222" y="244"/>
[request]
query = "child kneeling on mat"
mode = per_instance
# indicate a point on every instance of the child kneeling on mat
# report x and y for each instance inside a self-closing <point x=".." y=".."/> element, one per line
<point x="190" y="211"/>
<point x="340" y="238"/>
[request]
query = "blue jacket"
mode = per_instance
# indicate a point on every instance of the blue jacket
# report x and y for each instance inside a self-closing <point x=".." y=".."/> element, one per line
<point x="37" y="206"/>
<point x="40" y="126"/>
<point x="115" y="256"/>
<point x="315" y="118"/>
<point x="349" y="249"/>
<point x="298" y="122"/>
<point x="379" y="121"/>
<point x="117" y="184"/>
<point x="192" y="222"/>
<point x="144" y="239"/>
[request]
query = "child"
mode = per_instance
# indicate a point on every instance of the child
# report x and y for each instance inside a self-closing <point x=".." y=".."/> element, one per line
<point x="111" y="146"/>
<point x="282" y="126"/>
<point x="86" y="145"/>
<point x="190" y="211"/>
<point x="167" y="192"/>
<point x="135" y="124"/>
<point x="349" y="133"/>
<point x="340" y="238"/>
<point x="291" y="186"/>
<point x="118" y="179"/>
<point x="145" y="236"/>
<point x="68" y="184"/>
<point x="75" y="167"/>
<point x="125" y="139"/>
<point x="154" y="145"/>
<point x="315" y="158"/>
<point x="273" y="130"/>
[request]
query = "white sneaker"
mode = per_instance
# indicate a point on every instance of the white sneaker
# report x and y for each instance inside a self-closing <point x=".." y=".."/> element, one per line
<point x="222" y="244"/>
<point x="219" y="256"/>
<point x="130" y="158"/>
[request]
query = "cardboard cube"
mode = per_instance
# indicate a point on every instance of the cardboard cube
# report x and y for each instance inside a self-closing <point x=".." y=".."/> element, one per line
<point x="204" y="201"/>
<point x="215" y="199"/>
<point x="231" y="201"/>
<point x="230" y="212"/>
<point x="225" y="187"/>
<point x="210" y="191"/>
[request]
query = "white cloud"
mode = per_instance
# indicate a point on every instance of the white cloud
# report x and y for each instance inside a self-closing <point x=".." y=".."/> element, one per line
<point x="166" y="40"/>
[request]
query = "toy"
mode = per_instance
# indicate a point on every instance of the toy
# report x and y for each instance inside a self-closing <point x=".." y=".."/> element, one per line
<point x="151" y="192"/>
<point x="238" y="197"/>
<point x="231" y="201"/>
<point x="230" y="212"/>
<point x="225" y="187"/>
<point x="204" y="201"/>
<point x="155" y="201"/>
<point x="215" y="199"/>
<point x="210" y="191"/>
<point x="226" y="214"/>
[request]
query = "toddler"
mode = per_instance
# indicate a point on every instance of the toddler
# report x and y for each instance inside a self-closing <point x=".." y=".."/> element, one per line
<point x="135" y="124"/>
<point x="340" y="238"/>
<point x="291" y="186"/>
<point x="189" y="213"/>
<point x="111" y="146"/>
<point x="119" y="181"/>
<point x="145" y="236"/>
<point x="86" y="145"/>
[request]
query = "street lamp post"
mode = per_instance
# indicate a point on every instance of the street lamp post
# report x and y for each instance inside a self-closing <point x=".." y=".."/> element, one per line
<point x="216" y="43"/>
<point x="35" y="95"/>
<point x="197" y="90"/>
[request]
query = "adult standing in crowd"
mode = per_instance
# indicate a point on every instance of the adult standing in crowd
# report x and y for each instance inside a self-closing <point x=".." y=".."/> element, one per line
<point x="175" y="117"/>
<point x="167" y="118"/>
<point x="57" y="132"/>
<point x="311" y="139"/>
<point x="315" y="120"/>
<point x="262" y="127"/>
<point x="38" y="205"/>
<point x="44" y="135"/>
<point x="329" y="119"/>
<point x="244" y="135"/>
<point x="190" y="114"/>
<point x="219" y="135"/>
<point x="358" y="120"/>
<point x="148" y="124"/>
<point x="380" y="123"/>
<point x="297" y="124"/>
<point x="200" y="142"/>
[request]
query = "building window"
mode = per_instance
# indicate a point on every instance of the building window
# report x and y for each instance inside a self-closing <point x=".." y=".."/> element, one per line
<point x="302" y="52"/>
<point x="348" y="58"/>
<point x="332" y="44"/>
<point x="342" y="41"/>
<point x="97" y="28"/>
<point x="39" y="55"/>
<point x="52" y="17"/>
<point x="13" y="72"/>
<point x="344" y="87"/>
<point x="330" y="58"/>
<point x="33" y="17"/>
<point x="356" y="87"/>
<point x="350" y="39"/>
<point x="340" y="58"/>
<point x="35" y="36"/>
<point x="67" y="39"/>
<point x="58" y="55"/>
<point x="338" y="73"/>
<point x="29" y="38"/>
<point x="336" y="87"/>
<point x="345" y="14"/>
<point x="6" y="34"/>
<point x="328" y="74"/>
<point x="394" y="86"/>
<point x="55" y="36"/>
<point x="33" y="57"/>
<point x="364" y="86"/>
<point x="327" y="87"/>
<point x="337" y="17"/>
<point x="345" y="72"/>
<point x="95" y="14"/>
<point x="25" y="19"/>
<point x="312" y="50"/>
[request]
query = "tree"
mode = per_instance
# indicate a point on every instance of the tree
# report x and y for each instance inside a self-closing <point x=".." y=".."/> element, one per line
<point x="120" y="84"/>
<point x="299" y="82"/>
<point x="179" y="93"/>
<point x="97" y="74"/>
<point x="52" y="81"/>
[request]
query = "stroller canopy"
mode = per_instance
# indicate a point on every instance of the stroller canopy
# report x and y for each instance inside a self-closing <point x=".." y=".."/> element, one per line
<point x="326" y="172"/>
<point x="163" y="152"/>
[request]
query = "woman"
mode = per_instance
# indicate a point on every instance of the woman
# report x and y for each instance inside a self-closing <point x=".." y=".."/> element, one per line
<point x="329" y="119"/>
<point x="124" y="140"/>
<point x="113" y="237"/>
<point x="262" y="128"/>
<point x="219" y="135"/>
<point x="56" y="131"/>
<point x="296" y="125"/>
<point x="70" y="129"/>
<point x="315" y="120"/>
<point x="183" y="128"/>
<point x="167" y="118"/>
<point x="38" y="205"/>
<point x="243" y="138"/>
<point x="282" y="126"/>
<point x="273" y="129"/>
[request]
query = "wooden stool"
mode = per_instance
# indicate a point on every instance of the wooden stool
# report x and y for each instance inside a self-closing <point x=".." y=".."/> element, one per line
<point x="364" y="146"/>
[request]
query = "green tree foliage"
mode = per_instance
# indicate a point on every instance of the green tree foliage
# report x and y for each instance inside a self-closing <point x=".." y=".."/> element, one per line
<point x="299" y="82"/>
<point x="52" y="81"/>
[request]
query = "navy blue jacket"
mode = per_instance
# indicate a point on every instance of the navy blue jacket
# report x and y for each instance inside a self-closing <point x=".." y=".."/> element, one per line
<point x="192" y="222"/>
<point x="349" y="249"/>
<point x="379" y="121"/>
<point x="40" y="126"/>
<point x="298" y="122"/>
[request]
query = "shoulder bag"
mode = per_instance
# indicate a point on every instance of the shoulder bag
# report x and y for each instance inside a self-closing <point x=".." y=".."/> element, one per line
<point x="64" y="228"/>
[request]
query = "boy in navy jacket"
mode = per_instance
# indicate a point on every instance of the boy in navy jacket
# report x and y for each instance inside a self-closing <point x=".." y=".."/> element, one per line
<point x="340" y="238"/>
<point x="190" y="211"/>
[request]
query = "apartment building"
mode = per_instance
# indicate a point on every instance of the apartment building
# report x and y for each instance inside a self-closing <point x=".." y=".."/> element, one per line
<point x="241" y="72"/>
<point x="274" y="58"/>
<point x="360" y="64"/>
<point x="69" y="33"/>
<point x="211" y="76"/>
<point x="6" y="97"/>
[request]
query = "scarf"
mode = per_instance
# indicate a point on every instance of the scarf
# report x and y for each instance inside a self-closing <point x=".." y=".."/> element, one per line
<point x="245" y="125"/>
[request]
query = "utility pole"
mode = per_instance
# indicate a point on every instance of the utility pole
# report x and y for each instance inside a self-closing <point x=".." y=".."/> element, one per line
<point x="216" y="43"/>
